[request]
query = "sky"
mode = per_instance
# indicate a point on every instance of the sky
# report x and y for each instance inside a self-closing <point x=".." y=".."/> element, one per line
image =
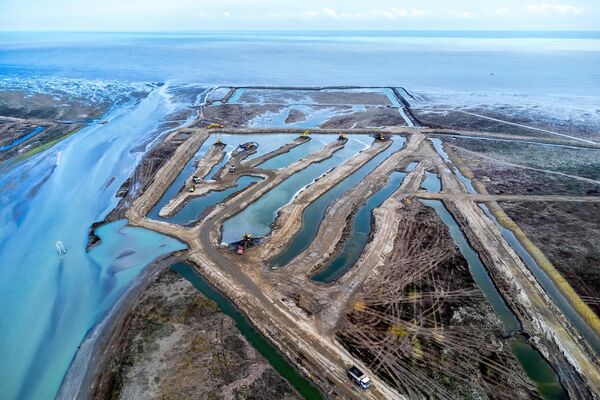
<point x="199" y="15"/>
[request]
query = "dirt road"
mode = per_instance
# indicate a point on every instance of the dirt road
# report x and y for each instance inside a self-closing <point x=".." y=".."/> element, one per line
<point x="266" y="296"/>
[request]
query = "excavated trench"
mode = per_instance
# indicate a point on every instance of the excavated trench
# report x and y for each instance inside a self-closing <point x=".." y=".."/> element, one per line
<point x="361" y="231"/>
<point x="316" y="210"/>
<point x="258" y="217"/>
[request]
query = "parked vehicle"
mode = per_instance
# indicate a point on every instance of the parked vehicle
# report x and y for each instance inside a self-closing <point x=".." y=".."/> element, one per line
<point x="359" y="377"/>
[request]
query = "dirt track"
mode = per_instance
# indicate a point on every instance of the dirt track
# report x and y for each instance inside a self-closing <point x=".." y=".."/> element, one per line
<point x="506" y="197"/>
<point x="291" y="322"/>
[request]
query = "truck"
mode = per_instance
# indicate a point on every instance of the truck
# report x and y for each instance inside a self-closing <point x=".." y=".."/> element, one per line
<point x="359" y="377"/>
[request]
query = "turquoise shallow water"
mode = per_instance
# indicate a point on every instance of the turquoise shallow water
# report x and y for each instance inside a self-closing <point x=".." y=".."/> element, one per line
<point x="266" y="144"/>
<point x="313" y="214"/>
<point x="361" y="229"/>
<point x="48" y="303"/>
<point x="256" y="218"/>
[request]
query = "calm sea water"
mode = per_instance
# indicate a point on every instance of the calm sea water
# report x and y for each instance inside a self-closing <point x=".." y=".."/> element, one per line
<point x="48" y="304"/>
<point x="532" y="63"/>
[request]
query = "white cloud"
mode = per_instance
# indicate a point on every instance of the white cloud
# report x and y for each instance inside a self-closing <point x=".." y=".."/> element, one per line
<point x="462" y="14"/>
<point x="502" y="11"/>
<point x="552" y="9"/>
<point x="294" y="15"/>
<point x="391" y="13"/>
<point x="330" y="12"/>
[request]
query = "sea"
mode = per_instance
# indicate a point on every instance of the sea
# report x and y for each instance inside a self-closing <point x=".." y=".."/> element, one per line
<point x="49" y="304"/>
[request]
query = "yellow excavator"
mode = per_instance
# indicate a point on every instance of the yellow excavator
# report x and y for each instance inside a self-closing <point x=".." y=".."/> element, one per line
<point x="341" y="136"/>
<point x="306" y="133"/>
<point x="380" y="136"/>
<point x="215" y="125"/>
<point x="219" y="142"/>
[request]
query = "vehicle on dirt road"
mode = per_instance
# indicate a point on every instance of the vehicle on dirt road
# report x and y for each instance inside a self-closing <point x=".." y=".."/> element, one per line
<point x="359" y="377"/>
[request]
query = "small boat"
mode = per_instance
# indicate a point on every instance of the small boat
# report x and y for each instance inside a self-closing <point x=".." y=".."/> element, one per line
<point x="60" y="248"/>
<point x="103" y="122"/>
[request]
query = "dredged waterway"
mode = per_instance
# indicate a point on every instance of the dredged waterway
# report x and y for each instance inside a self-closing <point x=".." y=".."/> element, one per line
<point x="258" y="216"/>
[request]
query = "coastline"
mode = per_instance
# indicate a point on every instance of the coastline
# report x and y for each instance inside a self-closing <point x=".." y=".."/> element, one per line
<point x="106" y="339"/>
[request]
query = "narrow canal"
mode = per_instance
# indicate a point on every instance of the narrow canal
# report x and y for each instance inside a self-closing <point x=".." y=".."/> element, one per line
<point x="257" y="218"/>
<point x="266" y="144"/>
<point x="259" y="342"/>
<point x="548" y="285"/>
<point x="553" y="292"/>
<point x="361" y="231"/>
<point x="536" y="367"/>
<point x="313" y="214"/>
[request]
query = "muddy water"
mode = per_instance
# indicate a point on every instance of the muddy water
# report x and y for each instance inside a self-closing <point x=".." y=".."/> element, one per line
<point x="313" y="214"/>
<point x="536" y="368"/>
<point x="259" y="342"/>
<point x="361" y="230"/>
<point x="549" y="286"/>
<point x="258" y="216"/>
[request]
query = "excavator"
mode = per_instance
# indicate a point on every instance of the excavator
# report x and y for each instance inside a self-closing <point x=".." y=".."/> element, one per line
<point x="305" y="134"/>
<point x="341" y="136"/>
<point x="244" y="244"/>
<point x="215" y="125"/>
<point x="380" y="136"/>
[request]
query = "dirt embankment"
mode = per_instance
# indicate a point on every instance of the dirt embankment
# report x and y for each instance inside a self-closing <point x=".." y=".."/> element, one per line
<point x="146" y="173"/>
<point x="289" y="218"/>
<point x="179" y="345"/>
<point x="569" y="235"/>
<point x="337" y="214"/>
<point x="421" y="316"/>
<point x="223" y="178"/>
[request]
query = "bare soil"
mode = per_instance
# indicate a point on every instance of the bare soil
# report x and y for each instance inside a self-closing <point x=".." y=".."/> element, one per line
<point x="450" y="117"/>
<point x="504" y="177"/>
<point x="180" y="346"/>
<point x="424" y="326"/>
<point x="569" y="235"/>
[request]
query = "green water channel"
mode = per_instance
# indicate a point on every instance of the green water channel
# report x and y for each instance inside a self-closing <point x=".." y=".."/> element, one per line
<point x="313" y="214"/>
<point x="361" y="230"/>
<point x="535" y="366"/>
<point x="193" y="210"/>
<point x="257" y="217"/>
<point x="259" y="342"/>
<point x="563" y="304"/>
